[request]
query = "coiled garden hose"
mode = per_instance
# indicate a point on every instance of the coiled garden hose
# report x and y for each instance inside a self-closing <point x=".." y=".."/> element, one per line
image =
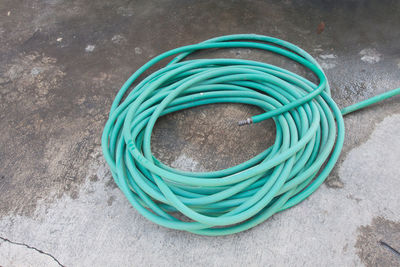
<point x="309" y="137"/>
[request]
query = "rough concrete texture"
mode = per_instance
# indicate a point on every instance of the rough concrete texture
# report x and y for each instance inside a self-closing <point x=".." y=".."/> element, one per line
<point x="62" y="63"/>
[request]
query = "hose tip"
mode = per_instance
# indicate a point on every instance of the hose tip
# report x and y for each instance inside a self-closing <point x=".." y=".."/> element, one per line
<point x="245" y="122"/>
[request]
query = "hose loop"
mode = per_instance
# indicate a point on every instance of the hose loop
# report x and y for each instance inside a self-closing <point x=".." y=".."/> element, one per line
<point x="309" y="138"/>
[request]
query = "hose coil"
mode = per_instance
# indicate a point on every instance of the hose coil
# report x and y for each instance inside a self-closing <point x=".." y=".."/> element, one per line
<point x="309" y="137"/>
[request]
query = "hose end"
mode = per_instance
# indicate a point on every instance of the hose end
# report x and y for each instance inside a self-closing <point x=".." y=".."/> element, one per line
<point x="245" y="122"/>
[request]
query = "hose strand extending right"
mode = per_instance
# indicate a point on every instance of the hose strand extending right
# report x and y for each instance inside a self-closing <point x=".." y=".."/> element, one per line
<point x="351" y="108"/>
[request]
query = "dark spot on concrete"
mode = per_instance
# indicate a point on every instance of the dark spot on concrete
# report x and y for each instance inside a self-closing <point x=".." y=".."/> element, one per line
<point x="111" y="183"/>
<point x="356" y="199"/>
<point x="110" y="200"/>
<point x="321" y="27"/>
<point x="334" y="181"/>
<point x="94" y="178"/>
<point x="74" y="194"/>
<point x="371" y="239"/>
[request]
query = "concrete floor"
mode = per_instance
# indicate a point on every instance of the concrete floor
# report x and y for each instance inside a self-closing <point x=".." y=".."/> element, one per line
<point x="62" y="63"/>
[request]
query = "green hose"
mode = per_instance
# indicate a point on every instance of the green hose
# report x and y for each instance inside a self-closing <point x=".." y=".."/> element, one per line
<point x="309" y="137"/>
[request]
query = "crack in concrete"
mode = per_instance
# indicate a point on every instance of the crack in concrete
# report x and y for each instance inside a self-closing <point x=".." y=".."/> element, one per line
<point x="30" y="247"/>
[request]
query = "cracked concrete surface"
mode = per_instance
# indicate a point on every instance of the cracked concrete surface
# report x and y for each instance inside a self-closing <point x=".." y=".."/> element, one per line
<point x="62" y="63"/>
<point x="14" y="254"/>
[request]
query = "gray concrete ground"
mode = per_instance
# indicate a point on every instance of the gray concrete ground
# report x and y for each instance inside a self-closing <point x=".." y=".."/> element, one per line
<point x="62" y="63"/>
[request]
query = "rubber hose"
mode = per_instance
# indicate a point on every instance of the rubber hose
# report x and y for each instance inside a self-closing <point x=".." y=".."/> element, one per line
<point x="309" y="136"/>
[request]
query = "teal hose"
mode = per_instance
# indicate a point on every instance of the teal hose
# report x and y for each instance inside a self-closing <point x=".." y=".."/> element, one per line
<point x="309" y="137"/>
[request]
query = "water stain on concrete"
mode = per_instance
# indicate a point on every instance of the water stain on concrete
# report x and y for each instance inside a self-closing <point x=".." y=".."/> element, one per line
<point x="378" y="244"/>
